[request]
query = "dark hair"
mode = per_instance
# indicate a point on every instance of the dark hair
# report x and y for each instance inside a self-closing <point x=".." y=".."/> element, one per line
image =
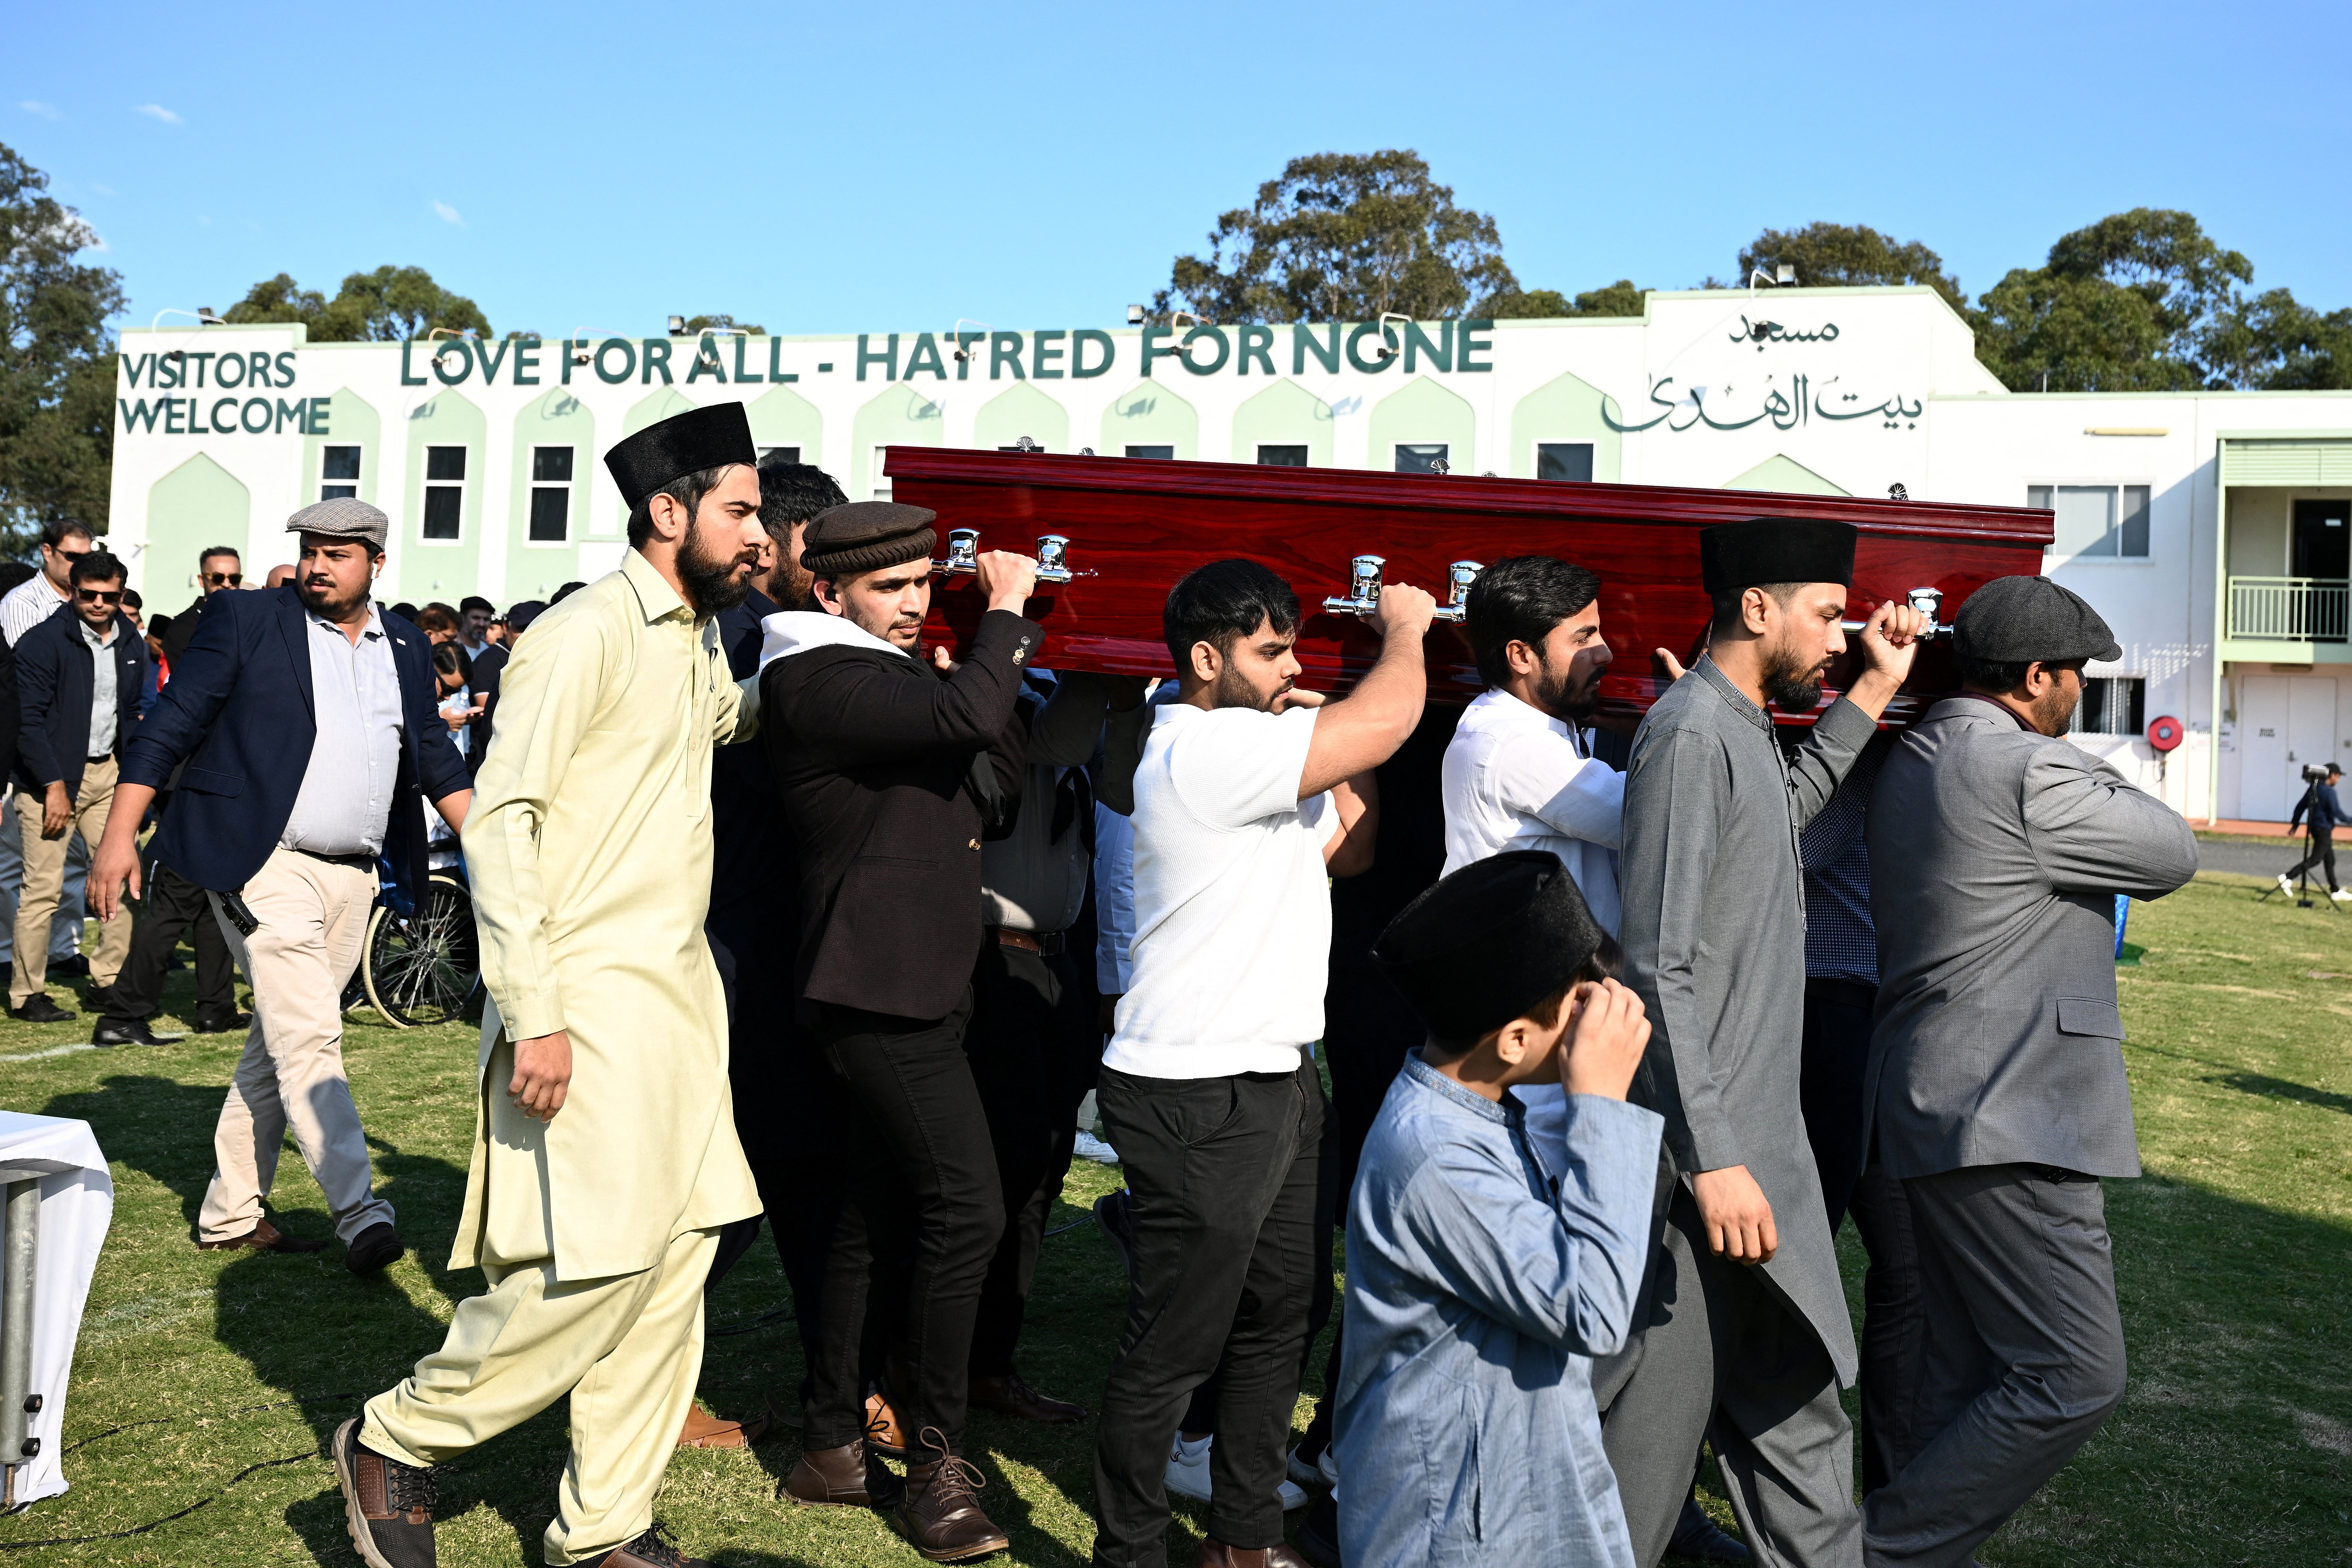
<point x="562" y="594"/>
<point x="450" y="660"/>
<point x="406" y="611"/>
<point x="210" y="550"/>
<point x="520" y="616"/>
<point x="687" y="490"/>
<point x="2003" y="674"/>
<point x="794" y="492"/>
<point x="1521" y="599"/>
<point x="1726" y="605"/>
<point x="1222" y="602"/>
<point x="434" y="619"/>
<point x="131" y="601"/>
<point x="15" y="573"/>
<point x="98" y="566"/>
<point x="157" y="626"/>
<point x="1606" y="962"/>
<point x="475" y="602"/>
<point x="58" y="529"/>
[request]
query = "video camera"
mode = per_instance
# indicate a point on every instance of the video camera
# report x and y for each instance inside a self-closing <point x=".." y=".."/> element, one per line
<point x="2314" y="772"/>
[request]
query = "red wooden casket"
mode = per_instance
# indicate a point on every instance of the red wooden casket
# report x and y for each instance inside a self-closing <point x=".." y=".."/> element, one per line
<point x="1136" y="525"/>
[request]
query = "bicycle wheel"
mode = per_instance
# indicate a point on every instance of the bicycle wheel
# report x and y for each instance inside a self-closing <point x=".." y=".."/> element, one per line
<point x="425" y="969"/>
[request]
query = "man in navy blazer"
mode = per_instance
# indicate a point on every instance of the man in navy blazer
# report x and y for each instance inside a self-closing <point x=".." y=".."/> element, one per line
<point x="307" y="720"/>
<point x="73" y="727"/>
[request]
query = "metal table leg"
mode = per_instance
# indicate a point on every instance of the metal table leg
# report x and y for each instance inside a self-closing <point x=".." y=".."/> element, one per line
<point x="19" y="1403"/>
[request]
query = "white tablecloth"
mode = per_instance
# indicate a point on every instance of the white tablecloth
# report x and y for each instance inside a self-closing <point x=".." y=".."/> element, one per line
<point x="77" y="1206"/>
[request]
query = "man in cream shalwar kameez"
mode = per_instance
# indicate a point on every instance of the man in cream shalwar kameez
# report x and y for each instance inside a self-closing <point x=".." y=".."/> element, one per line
<point x="590" y="851"/>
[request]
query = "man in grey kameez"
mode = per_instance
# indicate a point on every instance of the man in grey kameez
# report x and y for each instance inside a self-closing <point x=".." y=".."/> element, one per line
<point x="1745" y="1339"/>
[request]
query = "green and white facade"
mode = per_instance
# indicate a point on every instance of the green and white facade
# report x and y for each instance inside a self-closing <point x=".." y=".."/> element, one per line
<point x="2178" y="513"/>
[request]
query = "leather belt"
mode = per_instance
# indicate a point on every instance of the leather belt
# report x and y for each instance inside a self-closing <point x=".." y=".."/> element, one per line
<point x="1045" y="943"/>
<point x="358" y="862"/>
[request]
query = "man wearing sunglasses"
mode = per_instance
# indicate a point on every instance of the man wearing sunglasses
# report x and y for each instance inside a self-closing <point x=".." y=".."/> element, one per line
<point x="31" y="602"/>
<point x="218" y="570"/>
<point x="79" y="675"/>
<point x="38" y="597"/>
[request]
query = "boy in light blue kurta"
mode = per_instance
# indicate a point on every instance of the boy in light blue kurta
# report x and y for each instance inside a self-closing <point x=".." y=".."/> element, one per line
<point x="1481" y="1283"/>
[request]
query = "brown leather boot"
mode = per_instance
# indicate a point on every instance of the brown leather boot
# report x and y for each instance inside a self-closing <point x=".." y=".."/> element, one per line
<point x="941" y="1512"/>
<point x="704" y="1430"/>
<point x="846" y="1476"/>
<point x="883" y="1433"/>
<point x="1011" y="1395"/>
<point x="1217" y="1554"/>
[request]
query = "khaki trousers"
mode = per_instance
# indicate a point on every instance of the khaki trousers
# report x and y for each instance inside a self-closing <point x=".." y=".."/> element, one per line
<point x="313" y="918"/>
<point x="627" y="1349"/>
<point x="45" y="876"/>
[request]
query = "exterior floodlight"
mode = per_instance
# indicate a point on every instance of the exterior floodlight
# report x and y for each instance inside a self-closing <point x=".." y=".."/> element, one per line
<point x="1784" y="273"/>
<point x="1135" y="315"/>
<point x="677" y="326"/>
<point x="204" y="315"/>
<point x="1387" y="351"/>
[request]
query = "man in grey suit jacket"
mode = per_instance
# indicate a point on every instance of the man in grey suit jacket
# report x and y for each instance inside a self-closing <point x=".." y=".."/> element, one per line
<point x="1997" y="1090"/>
<point x="1745" y="1336"/>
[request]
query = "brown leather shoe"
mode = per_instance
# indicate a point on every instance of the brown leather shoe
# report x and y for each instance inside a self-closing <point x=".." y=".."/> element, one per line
<point x="704" y="1430"/>
<point x="1217" y="1554"/>
<point x="941" y="1512"/>
<point x="883" y="1433"/>
<point x="1011" y="1395"/>
<point x="846" y="1476"/>
<point x="387" y="1505"/>
<point x="264" y="1238"/>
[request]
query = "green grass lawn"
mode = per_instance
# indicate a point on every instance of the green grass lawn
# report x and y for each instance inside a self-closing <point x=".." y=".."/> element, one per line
<point x="2233" y="1446"/>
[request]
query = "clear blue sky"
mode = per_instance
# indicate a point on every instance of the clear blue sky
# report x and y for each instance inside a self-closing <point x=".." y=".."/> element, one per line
<point x="847" y="167"/>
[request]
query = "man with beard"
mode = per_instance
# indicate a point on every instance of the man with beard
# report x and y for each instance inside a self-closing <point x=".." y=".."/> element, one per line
<point x="889" y="772"/>
<point x="1999" y="1098"/>
<point x="604" y="1158"/>
<point x="1714" y="929"/>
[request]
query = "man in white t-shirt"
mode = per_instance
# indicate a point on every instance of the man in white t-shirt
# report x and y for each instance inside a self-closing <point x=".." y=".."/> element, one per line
<point x="1249" y="795"/>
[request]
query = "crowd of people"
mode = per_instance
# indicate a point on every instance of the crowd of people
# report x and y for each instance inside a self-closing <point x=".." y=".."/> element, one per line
<point x="786" y="917"/>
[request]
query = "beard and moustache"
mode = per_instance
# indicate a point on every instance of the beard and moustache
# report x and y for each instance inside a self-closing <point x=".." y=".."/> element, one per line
<point x="1790" y="684"/>
<point x="1563" y="697"/>
<point x="714" y="583"/>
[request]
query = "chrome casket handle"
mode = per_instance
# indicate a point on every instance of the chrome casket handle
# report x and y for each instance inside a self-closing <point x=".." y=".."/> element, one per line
<point x="1929" y="602"/>
<point x="1459" y="577"/>
<point x="963" y="553"/>
<point x="1363" y="595"/>
<point x="1052" y="558"/>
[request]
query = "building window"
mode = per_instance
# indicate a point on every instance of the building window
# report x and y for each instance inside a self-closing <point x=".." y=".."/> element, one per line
<point x="444" y="490"/>
<point x="1570" y="462"/>
<point x="881" y="486"/>
<point x="779" y="455"/>
<point x="1426" y="458"/>
<point x="1165" y="454"/>
<point x="2095" y="520"/>
<point x="338" y="473"/>
<point x="551" y="494"/>
<point x="2111" y="705"/>
<point x="1281" y="457"/>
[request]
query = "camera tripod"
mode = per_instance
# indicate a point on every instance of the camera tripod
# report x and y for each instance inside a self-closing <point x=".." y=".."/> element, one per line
<point x="2303" y="890"/>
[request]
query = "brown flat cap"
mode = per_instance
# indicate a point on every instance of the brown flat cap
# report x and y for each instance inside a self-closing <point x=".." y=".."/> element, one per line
<point x="866" y="536"/>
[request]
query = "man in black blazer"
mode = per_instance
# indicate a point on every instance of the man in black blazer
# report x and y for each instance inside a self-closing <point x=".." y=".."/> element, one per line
<point x="884" y="770"/>
<point x="80" y="675"/>
<point x="307" y="721"/>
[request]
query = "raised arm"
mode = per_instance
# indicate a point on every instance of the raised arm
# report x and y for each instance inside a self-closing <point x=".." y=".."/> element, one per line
<point x="1359" y="735"/>
<point x="878" y="715"/>
<point x="2093" y="833"/>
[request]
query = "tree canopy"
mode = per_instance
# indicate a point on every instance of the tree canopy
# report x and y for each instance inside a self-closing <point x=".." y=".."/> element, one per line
<point x="56" y="362"/>
<point x="1842" y="254"/>
<point x="1619" y="299"/>
<point x="387" y="305"/>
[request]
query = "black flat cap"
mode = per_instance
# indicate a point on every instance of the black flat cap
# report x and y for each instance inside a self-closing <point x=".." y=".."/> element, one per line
<point x="1733" y="555"/>
<point x="1488" y="942"/>
<point x="2018" y="620"/>
<point x="866" y="536"/>
<point x="683" y="444"/>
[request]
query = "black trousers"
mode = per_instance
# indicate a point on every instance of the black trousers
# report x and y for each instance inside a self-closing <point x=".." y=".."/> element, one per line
<point x="1032" y="1060"/>
<point x="1829" y="1087"/>
<point x="920" y="1184"/>
<point x="2323" y="852"/>
<point x="1222" y="1173"/>
<point x="1894" y="1326"/>
<point x="168" y="906"/>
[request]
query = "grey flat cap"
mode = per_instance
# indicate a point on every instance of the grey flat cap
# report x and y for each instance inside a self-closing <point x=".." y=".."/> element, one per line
<point x="343" y="517"/>
<point x="2018" y="620"/>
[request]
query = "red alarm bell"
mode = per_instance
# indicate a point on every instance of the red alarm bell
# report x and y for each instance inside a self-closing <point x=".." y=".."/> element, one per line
<point x="2165" y="734"/>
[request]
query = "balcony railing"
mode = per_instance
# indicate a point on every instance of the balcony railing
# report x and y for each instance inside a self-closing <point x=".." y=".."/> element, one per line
<point x="2289" y="609"/>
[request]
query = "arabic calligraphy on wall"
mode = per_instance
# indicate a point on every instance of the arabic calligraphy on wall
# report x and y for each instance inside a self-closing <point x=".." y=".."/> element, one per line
<point x="1800" y="402"/>
<point x="1762" y="332"/>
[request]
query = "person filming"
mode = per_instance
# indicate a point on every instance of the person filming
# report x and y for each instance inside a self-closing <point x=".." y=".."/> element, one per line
<point x="2319" y="802"/>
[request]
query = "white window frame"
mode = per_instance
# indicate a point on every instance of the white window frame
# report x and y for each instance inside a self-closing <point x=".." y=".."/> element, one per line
<point x="561" y="487"/>
<point x="1397" y="448"/>
<point x="1258" y="454"/>
<point x="2118" y="486"/>
<point x="354" y="483"/>
<point x="2074" y="723"/>
<point x="428" y="485"/>
<point x="878" y="483"/>
<point x="1534" y="454"/>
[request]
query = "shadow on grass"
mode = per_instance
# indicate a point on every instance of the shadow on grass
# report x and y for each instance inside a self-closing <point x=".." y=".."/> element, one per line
<point x="2281" y="1089"/>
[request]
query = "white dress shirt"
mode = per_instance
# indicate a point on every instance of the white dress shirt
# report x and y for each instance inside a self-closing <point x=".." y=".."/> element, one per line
<point x="1517" y="778"/>
<point x="27" y="606"/>
<point x="103" y="696"/>
<point x="346" y="795"/>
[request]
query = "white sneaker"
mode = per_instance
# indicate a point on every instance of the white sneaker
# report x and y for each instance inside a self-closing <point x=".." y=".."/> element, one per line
<point x="2284" y="886"/>
<point x="1188" y="1475"/>
<point x="2341" y="895"/>
<point x="1323" y="1472"/>
<point x="1089" y="1147"/>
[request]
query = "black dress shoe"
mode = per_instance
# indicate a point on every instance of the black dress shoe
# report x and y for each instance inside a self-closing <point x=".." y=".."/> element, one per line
<point x="98" y="999"/>
<point x="135" y="1033"/>
<point x="1699" y="1537"/>
<point x="73" y="968"/>
<point x="373" y="1248"/>
<point x="221" y="1023"/>
<point x="40" y="1010"/>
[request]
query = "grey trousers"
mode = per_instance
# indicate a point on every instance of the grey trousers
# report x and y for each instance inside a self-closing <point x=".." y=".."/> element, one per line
<point x="1725" y="1359"/>
<point x="2023" y="1354"/>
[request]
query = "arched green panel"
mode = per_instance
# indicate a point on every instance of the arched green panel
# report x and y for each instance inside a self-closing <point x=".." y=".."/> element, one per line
<point x="652" y="408"/>
<point x="1284" y="414"/>
<point x="1420" y="411"/>
<point x="557" y="419"/>
<point x="1784" y="474"/>
<point x="1149" y="415"/>
<point x="1567" y="409"/>
<point x="443" y="567"/>
<point x="196" y="505"/>
<point x="898" y="417"/>
<point x="352" y="421"/>
<point x="1022" y="410"/>
<point x="782" y="417"/>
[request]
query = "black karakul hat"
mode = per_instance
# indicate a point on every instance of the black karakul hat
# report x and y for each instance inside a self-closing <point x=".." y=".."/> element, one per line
<point x="1734" y="555"/>
<point x="868" y="535"/>
<point x="1488" y="942"/>
<point x="2018" y="620"/>
<point x="683" y="444"/>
